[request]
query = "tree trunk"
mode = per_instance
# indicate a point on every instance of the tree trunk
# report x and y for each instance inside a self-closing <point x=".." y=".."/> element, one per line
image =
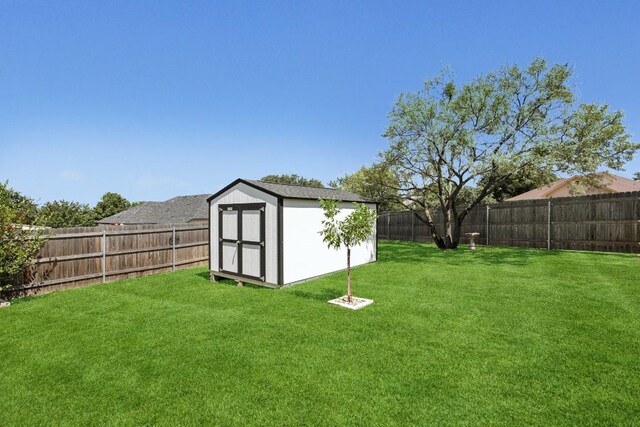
<point x="349" y="291"/>
<point x="455" y="233"/>
<point x="435" y="235"/>
<point x="448" y="228"/>
<point x="452" y="229"/>
<point x="432" y="229"/>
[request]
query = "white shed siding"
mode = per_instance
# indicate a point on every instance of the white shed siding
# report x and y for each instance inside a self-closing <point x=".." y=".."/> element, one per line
<point x="305" y="254"/>
<point x="242" y="193"/>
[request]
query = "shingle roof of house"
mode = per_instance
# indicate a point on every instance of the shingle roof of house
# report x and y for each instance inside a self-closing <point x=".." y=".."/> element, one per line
<point x="289" y="191"/>
<point x="611" y="184"/>
<point x="179" y="210"/>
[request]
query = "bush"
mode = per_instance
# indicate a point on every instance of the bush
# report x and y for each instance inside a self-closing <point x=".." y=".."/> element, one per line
<point x="19" y="244"/>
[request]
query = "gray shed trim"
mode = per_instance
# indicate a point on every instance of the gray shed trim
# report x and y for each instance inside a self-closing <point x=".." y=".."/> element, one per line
<point x="288" y="191"/>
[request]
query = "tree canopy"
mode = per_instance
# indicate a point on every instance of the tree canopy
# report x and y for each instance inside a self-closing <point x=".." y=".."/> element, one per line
<point x="61" y="213"/>
<point x="636" y="176"/>
<point x="522" y="180"/>
<point x="292" y="179"/>
<point x="451" y="146"/>
<point x="110" y="204"/>
<point x="376" y="182"/>
<point x="24" y="208"/>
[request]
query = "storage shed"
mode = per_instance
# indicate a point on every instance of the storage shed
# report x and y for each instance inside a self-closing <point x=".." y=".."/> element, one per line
<point x="268" y="234"/>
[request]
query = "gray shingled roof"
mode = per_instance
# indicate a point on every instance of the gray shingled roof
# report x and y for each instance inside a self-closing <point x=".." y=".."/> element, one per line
<point x="179" y="210"/>
<point x="303" y="192"/>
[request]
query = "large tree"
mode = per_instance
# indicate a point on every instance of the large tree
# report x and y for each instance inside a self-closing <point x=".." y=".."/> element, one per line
<point x="376" y="182"/>
<point x="292" y="179"/>
<point x="452" y="145"/>
<point x="636" y="176"/>
<point x="110" y="204"/>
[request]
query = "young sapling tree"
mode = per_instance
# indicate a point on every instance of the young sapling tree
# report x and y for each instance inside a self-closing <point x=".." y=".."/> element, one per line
<point x="354" y="229"/>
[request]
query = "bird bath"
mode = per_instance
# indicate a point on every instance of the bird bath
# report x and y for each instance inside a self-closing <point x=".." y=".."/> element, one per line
<point x="472" y="242"/>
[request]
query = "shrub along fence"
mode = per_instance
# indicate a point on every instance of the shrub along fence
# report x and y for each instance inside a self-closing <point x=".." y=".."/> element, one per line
<point x="603" y="222"/>
<point x="79" y="256"/>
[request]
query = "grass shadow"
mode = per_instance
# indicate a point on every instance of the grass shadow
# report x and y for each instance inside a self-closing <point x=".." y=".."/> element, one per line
<point x="231" y="282"/>
<point x="323" y="295"/>
<point x="204" y="275"/>
<point x="409" y="252"/>
<point x="228" y="282"/>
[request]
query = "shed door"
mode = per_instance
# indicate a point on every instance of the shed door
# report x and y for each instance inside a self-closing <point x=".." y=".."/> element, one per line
<point x="241" y="239"/>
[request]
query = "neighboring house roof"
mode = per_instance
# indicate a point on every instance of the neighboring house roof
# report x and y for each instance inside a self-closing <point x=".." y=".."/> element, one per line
<point x="609" y="184"/>
<point x="289" y="191"/>
<point x="179" y="210"/>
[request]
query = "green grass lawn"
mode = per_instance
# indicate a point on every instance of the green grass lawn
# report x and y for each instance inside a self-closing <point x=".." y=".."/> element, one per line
<point x="500" y="336"/>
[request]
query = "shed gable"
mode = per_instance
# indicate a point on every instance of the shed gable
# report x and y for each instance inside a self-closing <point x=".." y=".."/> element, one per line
<point x="241" y="193"/>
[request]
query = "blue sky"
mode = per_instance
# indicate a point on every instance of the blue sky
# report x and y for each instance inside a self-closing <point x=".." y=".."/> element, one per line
<point x="157" y="99"/>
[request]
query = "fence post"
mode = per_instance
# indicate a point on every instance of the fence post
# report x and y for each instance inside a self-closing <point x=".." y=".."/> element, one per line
<point x="637" y="234"/>
<point x="388" y="227"/>
<point x="549" y="225"/>
<point x="487" y="225"/>
<point x="104" y="256"/>
<point x="173" y="248"/>
<point x="413" y="221"/>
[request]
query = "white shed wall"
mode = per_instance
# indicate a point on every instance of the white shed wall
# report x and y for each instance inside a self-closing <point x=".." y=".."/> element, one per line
<point x="305" y="254"/>
<point x="242" y="193"/>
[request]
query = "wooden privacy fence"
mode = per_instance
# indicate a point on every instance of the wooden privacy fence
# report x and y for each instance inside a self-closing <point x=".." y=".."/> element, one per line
<point x="79" y="256"/>
<point x="603" y="222"/>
